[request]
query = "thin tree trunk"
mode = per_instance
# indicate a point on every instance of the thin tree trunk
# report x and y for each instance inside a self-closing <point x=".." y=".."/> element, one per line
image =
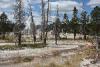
<point x="19" y="38"/>
<point x="74" y="34"/>
<point x="3" y="35"/>
<point x="45" y="40"/>
<point x="46" y="25"/>
<point x="56" y="39"/>
<point x="34" y="39"/>
<point x="85" y="37"/>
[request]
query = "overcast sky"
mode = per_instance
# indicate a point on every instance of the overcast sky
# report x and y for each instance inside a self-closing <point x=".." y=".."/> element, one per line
<point x="65" y="6"/>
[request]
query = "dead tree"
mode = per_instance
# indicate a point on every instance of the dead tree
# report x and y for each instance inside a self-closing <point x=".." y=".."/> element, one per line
<point x="19" y="17"/>
<point x="46" y="24"/>
<point x="32" y="24"/>
<point x="43" y="19"/>
<point x="57" y="26"/>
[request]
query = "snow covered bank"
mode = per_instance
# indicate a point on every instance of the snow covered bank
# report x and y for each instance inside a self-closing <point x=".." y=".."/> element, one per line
<point x="38" y="52"/>
<point x="87" y="63"/>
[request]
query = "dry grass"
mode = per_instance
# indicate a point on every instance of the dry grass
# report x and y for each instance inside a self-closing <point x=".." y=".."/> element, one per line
<point x="22" y="59"/>
<point x="74" y="61"/>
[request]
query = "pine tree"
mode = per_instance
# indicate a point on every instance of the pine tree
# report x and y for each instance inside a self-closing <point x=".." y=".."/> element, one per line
<point x="84" y="20"/>
<point x="65" y="23"/>
<point x="74" y="21"/>
<point x="5" y="24"/>
<point x="95" y="15"/>
<point x="3" y="21"/>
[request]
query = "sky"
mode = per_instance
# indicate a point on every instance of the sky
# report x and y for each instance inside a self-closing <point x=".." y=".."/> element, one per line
<point x="65" y="6"/>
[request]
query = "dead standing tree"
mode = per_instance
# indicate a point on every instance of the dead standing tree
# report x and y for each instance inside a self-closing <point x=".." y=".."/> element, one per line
<point x="57" y="26"/>
<point x="19" y="17"/>
<point x="32" y="24"/>
<point x="44" y="24"/>
<point x="43" y="19"/>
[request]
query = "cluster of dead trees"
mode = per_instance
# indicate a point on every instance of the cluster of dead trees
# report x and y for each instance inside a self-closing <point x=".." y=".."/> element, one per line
<point x="19" y="16"/>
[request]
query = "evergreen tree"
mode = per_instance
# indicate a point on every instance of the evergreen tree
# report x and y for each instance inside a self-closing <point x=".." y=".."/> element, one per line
<point x="5" y="24"/>
<point x="65" y="23"/>
<point x="84" y="20"/>
<point x="3" y="21"/>
<point x="74" y="21"/>
<point x="95" y="16"/>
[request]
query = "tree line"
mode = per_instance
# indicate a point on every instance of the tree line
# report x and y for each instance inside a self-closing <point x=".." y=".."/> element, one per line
<point x="5" y="25"/>
<point x="85" y="24"/>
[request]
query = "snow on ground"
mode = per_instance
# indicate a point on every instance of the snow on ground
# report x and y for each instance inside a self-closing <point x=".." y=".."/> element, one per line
<point x="64" y="54"/>
<point x="86" y="63"/>
<point x="67" y="42"/>
<point x="34" y="52"/>
<point x="43" y="61"/>
<point x="64" y="35"/>
<point x="40" y="52"/>
<point x="52" y="42"/>
<point x="2" y="44"/>
<point x="68" y="35"/>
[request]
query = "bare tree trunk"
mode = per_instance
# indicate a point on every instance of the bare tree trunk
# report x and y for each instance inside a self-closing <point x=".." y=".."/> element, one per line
<point x="46" y="25"/>
<point x="85" y="37"/>
<point x="42" y="23"/>
<point x="74" y="34"/>
<point x="56" y="39"/>
<point x="34" y="37"/>
<point x="19" y="16"/>
<point x="84" y="31"/>
<point x="32" y="25"/>
<point x="3" y="37"/>
<point x="19" y="38"/>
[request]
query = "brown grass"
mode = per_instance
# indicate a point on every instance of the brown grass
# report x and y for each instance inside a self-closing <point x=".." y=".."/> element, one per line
<point x="75" y="59"/>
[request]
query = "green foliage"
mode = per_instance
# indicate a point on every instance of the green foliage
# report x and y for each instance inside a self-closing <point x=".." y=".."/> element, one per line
<point x="65" y="23"/>
<point x="74" y="21"/>
<point x="85" y="24"/>
<point x="95" y="15"/>
<point x="5" y="24"/>
<point x="75" y="18"/>
<point x="83" y="21"/>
